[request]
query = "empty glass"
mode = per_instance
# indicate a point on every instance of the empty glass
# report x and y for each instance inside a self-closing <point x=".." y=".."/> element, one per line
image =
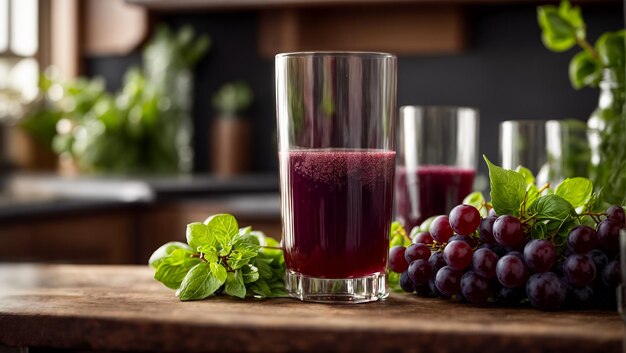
<point x="553" y="150"/>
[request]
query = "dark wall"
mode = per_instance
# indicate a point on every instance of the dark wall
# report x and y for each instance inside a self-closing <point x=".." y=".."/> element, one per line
<point x="506" y="72"/>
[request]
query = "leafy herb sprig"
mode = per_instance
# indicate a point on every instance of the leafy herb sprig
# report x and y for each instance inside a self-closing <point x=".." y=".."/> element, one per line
<point x="220" y="257"/>
<point x="563" y="27"/>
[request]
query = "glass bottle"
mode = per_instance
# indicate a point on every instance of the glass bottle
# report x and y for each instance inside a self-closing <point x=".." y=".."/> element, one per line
<point x="607" y="139"/>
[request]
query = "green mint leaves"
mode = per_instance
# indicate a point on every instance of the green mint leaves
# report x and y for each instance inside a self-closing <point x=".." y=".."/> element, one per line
<point x="173" y="268"/>
<point x="221" y="258"/>
<point x="508" y="188"/>
<point x="200" y="282"/>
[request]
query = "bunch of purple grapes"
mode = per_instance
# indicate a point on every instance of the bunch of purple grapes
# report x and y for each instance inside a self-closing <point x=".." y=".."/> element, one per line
<point x="493" y="260"/>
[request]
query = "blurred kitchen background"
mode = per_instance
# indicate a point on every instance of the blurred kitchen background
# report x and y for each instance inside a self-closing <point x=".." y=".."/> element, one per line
<point x="122" y="121"/>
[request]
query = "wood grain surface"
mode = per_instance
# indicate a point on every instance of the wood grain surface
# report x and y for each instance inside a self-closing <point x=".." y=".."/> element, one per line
<point x="121" y="308"/>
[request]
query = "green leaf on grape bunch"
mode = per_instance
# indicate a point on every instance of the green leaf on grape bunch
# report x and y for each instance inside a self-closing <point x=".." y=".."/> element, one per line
<point x="393" y="280"/>
<point x="476" y="199"/>
<point x="527" y="174"/>
<point x="508" y="188"/>
<point x="398" y="236"/>
<point x="577" y="191"/>
<point x="555" y="212"/>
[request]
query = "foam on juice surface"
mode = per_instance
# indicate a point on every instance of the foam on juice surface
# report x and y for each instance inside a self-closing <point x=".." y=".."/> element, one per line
<point x="333" y="166"/>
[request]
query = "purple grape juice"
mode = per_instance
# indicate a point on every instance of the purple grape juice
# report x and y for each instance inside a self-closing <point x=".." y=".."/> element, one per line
<point x="430" y="190"/>
<point x="337" y="209"/>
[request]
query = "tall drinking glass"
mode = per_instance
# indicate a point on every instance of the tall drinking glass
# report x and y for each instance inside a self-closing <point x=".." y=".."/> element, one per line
<point x="336" y="122"/>
<point x="523" y="142"/>
<point x="437" y="148"/>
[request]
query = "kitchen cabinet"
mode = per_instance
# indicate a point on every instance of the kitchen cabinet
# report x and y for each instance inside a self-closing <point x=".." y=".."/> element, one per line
<point x="121" y="233"/>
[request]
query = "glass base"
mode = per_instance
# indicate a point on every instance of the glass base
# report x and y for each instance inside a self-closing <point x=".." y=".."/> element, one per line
<point x="336" y="290"/>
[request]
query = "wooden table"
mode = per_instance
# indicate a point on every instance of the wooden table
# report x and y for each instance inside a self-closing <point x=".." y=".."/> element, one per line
<point x="121" y="308"/>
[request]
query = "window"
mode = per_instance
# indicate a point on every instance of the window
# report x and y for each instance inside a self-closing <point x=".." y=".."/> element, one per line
<point x="19" y="49"/>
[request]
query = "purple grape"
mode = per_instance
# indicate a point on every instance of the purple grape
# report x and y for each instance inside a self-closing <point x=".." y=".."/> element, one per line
<point x="517" y="254"/>
<point x="577" y="297"/>
<point x="458" y="237"/>
<point x="419" y="271"/>
<point x="434" y="289"/>
<point x="582" y="239"/>
<point x="608" y="235"/>
<point x="507" y="230"/>
<point x="416" y="252"/>
<point x="464" y="219"/>
<point x="458" y="255"/>
<point x="604" y="297"/>
<point x="397" y="262"/>
<point x="473" y="242"/>
<point x="484" y="262"/>
<point x="475" y="288"/>
<point x="579" y="270"/>
<point x="539" y="255"/>
<point x="423" y="290"/>
<point x="545" y="291"/>
<point x="617" y="214"/>
<point x="448" y="281"/>
<point x="485" y="229"/>
<point x="499" y="249"/>
<point x="436" y="262"/>
<point x="440" y="229"/>
<point x="510" y="296"/>
<point x="423" y="238"/>
<point x="511" y="271"/>
<point x="612" y="274"/>
<point x="519" y="247"/>
<point x="599" y="259"/>
<point x="558" y="268"/>
<point x="405" y="283"/>
<point x="492" y="213"/>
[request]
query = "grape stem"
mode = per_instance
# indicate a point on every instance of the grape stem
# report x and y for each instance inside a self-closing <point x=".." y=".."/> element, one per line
<point x="272" y="247"/>
<point x="543" y="188"/>
<point x="597" y="214"/>
<point x="594" y="215"/>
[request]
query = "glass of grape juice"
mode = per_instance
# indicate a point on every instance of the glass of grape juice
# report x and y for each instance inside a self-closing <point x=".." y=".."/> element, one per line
<point x="336" y="144"/>
<point x="437" y="151"/>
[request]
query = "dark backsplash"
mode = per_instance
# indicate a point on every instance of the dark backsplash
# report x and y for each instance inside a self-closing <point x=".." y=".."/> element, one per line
<point x="505" y="72"/>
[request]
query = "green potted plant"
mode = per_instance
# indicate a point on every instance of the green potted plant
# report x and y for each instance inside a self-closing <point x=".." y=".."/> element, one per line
<point x="231" y="131"/>
<point x="145" y="128"/>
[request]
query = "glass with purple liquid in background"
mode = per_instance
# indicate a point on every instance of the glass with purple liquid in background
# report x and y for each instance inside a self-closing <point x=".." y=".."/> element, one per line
<point x="336" y="143"/>
<point x="436" y="165"/>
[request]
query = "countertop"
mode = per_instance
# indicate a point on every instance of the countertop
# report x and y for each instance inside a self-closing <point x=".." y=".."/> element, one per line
<point x="121" y="308"/>
<point x="33" y="195"/>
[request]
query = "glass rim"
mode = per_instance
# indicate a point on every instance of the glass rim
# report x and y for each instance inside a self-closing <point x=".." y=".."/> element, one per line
<point x="525" y="122"/>
<point x="333" y="53"/>
<point x="439" y="107"/>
